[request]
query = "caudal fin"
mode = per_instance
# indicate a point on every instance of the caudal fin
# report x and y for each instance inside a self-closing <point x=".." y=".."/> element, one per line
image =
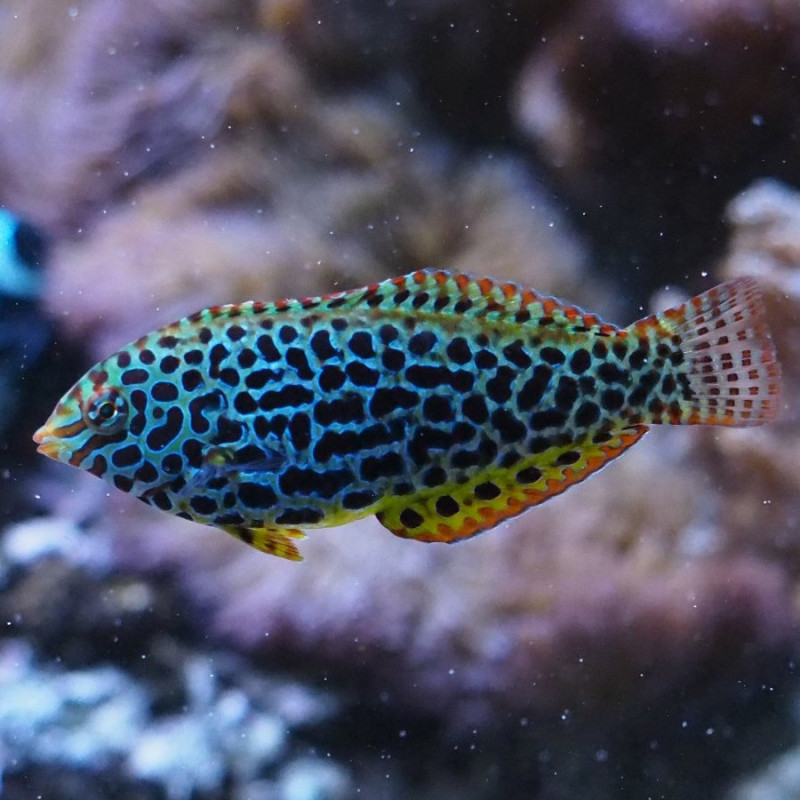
<point x="730" y="361"/>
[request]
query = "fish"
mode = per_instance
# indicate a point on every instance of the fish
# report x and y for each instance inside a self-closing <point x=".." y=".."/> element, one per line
<point x="25" y="330"/>
<point x="23" y="251"/>
<point x="440" y="402"/>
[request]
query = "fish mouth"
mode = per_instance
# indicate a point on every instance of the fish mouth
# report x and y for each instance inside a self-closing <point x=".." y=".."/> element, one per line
<point x="50" y="437"/>
<point x="48" y="445"/>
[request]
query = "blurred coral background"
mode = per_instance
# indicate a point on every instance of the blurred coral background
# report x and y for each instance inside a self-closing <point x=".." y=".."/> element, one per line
<point x="634" y="638"/>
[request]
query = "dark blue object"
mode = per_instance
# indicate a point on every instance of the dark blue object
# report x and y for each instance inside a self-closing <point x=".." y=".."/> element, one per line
<point x="24" y="331"/>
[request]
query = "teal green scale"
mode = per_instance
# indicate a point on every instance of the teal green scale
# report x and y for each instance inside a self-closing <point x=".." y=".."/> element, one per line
<point x="441" y="403"/>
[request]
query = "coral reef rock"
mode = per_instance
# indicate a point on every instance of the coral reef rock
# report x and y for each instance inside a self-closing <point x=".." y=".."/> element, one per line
<point x="653" y="114"/>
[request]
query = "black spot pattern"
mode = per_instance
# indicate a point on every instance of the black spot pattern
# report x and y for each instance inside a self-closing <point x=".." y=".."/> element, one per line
<point x="131" y="377"/>
<point x="474" y="408"/>
<point x="300" y="516"/>
<point x="411" y="518"/>
<point x="529" y="475"/>
<point x="331" y="379"/>
<point x="359" y="499"/>
<point x="385" y="401"/>
<point x="446" y="506"/>
<point x="266" y="346"/>
<point x="256" y="495"/>
<point x="422" y="343"/>
<point x="498" y="388"/>
<point x="458" y="351"/>
<point x="434" y="476"/>
<point x="216" y="355"/>
<point x="487" y="491"/>
<point x="361" y="375"/>
<point x="127" y="456"/>
<point x="510" y="428"/>
<point x="164" y="392"/>
<point x="169" y="364"/>
<point x="515" y="353"/>
<point x="205" y="506"/>
<point x="162" y="435"/>
<point x="200" y="408"/>
<point x="360" y="345"/>
<point x="296" y="358"/>
<point x="438" y="408"/>
<point x="388" y="465"/>
<point x="321" y="346"/>
<point x="300" y="431"/>
<point x="312" y="483"/>
<point x="393" y="360"/>
<point x="533" y="390"/>
<point x="259" y="378"/>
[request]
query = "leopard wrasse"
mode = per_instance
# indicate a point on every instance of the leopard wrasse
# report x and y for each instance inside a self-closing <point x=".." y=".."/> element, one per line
<point x="442" y="403"/>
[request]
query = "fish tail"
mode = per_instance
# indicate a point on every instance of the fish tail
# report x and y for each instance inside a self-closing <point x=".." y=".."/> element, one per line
<point x="718" y="349"/>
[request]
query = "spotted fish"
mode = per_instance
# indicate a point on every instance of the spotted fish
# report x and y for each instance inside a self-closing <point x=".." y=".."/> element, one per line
<point x="442" y="403"/>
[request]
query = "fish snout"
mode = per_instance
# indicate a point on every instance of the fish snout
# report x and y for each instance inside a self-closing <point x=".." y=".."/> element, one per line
<point x="52" y="437"/>
<point x="50" y="448"/>
<point x="48" y="444"/>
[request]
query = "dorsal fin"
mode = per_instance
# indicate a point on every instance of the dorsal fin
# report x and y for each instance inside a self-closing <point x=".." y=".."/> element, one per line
<point x="437" y="291"/>
<point x="430" y="291"/>
<point x="451" y="513"/>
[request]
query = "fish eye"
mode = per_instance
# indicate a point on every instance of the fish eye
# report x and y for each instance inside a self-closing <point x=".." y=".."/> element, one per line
<point x="106" y="411"/>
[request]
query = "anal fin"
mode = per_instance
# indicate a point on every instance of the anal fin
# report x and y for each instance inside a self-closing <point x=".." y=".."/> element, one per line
<point x="451" y="513"/>
<point x="275" y="541"/>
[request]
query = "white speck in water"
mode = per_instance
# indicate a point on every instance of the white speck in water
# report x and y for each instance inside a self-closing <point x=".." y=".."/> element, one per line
<point x="757" y="120"/>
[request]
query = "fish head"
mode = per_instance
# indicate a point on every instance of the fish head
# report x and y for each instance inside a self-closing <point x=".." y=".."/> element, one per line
<point x="89" y="423"/>
<point x="123" y="421"/>
<point x="152" y="420"/>
<point x="132" y="422"/>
